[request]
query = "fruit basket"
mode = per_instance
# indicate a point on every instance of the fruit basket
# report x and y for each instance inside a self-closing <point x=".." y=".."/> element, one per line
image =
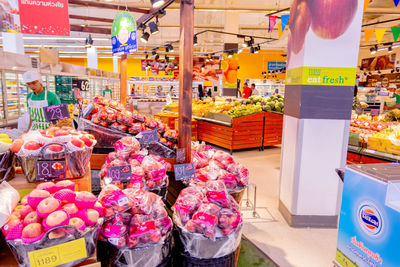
<point x="21" y="251"/>
<point x="76" y="161"/>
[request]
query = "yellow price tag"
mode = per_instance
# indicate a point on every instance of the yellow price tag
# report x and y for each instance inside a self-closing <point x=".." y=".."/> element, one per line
<point x="59" y="254"/>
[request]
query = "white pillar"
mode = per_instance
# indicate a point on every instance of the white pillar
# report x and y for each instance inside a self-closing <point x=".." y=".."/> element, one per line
<point x="13" y="42"/>
<point x="115" y="64"/>
<point x="92" y="57"/>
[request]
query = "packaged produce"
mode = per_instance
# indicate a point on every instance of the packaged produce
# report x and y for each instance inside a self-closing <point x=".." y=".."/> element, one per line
<point x="139" y="220"/>
<point x="208" y="220"/>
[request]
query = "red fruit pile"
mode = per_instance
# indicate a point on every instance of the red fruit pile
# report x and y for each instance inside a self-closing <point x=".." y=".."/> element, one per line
<point x="211" y="164"/>
<point x="207" y="210"/>
<point x="31" y="143"/>
<point x="148" y="172"/>
<point x="134" y="217"/>
<point x="51" y="205"/>
<point x="112" y="115"/>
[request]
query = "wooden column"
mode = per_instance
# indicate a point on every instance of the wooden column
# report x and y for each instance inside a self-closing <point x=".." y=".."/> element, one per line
<point x="186" y="76"/>
<point x="124" y="78"/>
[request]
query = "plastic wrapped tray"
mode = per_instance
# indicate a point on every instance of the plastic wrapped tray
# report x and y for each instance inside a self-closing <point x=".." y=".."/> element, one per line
<point x="21" y="250"/>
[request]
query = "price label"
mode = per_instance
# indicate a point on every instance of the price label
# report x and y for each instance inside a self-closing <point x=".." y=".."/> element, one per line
<point x="81" y="84"/>
<point x="383" y="93"/>
<point x="56" y="112"/>
<point x="120" y="173"/>
<point x="184" y="171"/>
<point x="180" y="155"/>
<point x="148" y="137"/>
<point x="57" y="255"/>
<point x="50" y="169"/>
<point x="86" y="111"/>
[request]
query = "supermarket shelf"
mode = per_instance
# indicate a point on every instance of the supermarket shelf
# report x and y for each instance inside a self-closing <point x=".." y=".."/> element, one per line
<point x="374" y="154"/>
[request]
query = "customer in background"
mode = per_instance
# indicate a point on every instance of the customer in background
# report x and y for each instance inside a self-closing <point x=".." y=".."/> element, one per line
<point x="209" y="93"/>
<point x="37" y="100"/>
<point x="246" y="91"/>
<point x="201" y="92"/>
<point x="253" y="89"/>
<point x="107" y="93"/>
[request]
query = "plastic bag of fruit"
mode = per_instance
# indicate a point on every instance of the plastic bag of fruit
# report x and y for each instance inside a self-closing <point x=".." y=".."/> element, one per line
<point x="53" y="214"/>
<point x="208" y="220"/>
<point x="139" y="218"/>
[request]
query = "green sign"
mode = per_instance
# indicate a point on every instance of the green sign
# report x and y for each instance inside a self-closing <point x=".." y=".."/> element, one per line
<point x="123" y="34"/>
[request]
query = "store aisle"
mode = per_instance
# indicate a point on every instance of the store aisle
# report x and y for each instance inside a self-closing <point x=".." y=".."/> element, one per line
<point x="286" y="246"/>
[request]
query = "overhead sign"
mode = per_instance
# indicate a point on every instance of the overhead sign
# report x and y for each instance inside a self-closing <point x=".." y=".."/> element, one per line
<point x="276" y="65"/>
<point x="123" y="34"/>
<point x="47" y="17"/>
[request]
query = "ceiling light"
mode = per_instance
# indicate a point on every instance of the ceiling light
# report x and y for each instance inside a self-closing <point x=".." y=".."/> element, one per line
<point x="145" y="37"/>
<point x="240" y="50"/>
<point x="390" y="50"/>
<point x="372" y="50"/>
<point x="229" y="55"/>
<point x="157" y="3"/>
<point x="171" y="48"/>
<point x="153" y="52"/>
<point x="244" y="44"/>
<point x="146" y="56"/>
<point x="195" y="40"/>
<point x="153" y="27"/>
<point x="157" y="57"/>
<point x="166" y="58"/>
<point x="252" y="50"/>
<point x="167" y="49"/>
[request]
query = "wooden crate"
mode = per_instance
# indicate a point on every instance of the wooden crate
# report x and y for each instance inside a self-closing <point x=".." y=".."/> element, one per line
<point x="246" y="132"/>
<point x="273" y="126"/>
<point x="167" y="118"/>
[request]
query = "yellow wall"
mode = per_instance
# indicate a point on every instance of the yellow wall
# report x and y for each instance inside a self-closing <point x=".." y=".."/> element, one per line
<point x="251" y="65"/>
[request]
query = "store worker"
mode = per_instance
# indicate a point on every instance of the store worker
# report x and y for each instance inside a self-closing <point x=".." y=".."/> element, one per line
<point x="246" y="91"/>
<point x="107" y="93"/>
<point x="253" y="89"/>
<point x="393" y="101"/>
<point x="37" y="100"/>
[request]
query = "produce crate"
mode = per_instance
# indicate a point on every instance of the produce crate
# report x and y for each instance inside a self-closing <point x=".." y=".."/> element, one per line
<point x="273" y="126"/>
<point x="245" y="132"/>
<point x="194" y="128"/>
<point x="167" y="118"/>
<point x="354" y="139"/>
<point x="379" y="144"/>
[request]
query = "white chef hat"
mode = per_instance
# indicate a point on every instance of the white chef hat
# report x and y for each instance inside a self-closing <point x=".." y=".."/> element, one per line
<point x="32" y="75"/>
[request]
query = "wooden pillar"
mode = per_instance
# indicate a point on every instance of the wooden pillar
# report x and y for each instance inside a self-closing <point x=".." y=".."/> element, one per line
<point x="124" y="78"/>
<point x="186" y="76"/>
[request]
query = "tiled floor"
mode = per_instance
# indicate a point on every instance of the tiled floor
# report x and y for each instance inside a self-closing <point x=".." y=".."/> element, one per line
<point x="285" y="245"/>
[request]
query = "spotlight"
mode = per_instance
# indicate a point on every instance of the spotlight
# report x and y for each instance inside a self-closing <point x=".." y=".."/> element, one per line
<point x="250" y="42"/>
<point x="195" y="40"/>
<point x="240" y="50"/>
<point x="153" y="27"/>
<point x="166" y="58"/>
<point x="157" y="3"/>
<point x="146" y="56"/>
<point x="372" y="50"/>
<point x="161" y="13"/>
<point x="252" y="50"/>
<point x="257" y="49"/>
<point x="229" y="55"/>
<point x="157" y="57"/>
<point x="390" y="50"/>
<point x="167" y="49"/>
<point x="171" y="48"/>
<point x="153" y="52"/>
<point x="244" y="44"/>
<point x="145" y="37"/>
<point x="89" y="41"/>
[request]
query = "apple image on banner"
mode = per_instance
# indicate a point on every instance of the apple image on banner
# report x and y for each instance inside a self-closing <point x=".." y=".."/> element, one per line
<point x="299" y="24"/>
<point x="331" y="18"/>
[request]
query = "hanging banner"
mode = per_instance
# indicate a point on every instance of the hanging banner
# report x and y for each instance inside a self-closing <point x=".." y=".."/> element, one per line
<point x="395" y="32"/>
<point x="229" y="67"/>
<point x="47" y="17"/>
<point x="379" y="34"/>
<point x="366" y="3"/>
<point x="396" y="2"/>
<point x="123" y="34"/>
<point x="385" y="62"/>
<point x="284" y="20"/>
<point x="368" y="34"/>
<point x="272" y="21"/>
<point x="280" y="31"/>
<point x="9" y="16"/>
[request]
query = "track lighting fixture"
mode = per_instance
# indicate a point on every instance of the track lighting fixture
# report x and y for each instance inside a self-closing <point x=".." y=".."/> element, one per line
<point x="157" y="3"/>
<point x="145" y="37"/>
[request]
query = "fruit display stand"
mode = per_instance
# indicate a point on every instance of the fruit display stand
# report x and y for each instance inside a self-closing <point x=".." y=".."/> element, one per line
<point x="243" y="132"/>
<point x="273" y="126"/>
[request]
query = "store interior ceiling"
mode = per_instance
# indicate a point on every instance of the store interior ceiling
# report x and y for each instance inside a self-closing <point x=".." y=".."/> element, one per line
<point x="95" y="18"/>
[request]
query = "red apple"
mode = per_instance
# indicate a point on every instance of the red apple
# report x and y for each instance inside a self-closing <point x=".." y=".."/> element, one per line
<point x="61" y="133"/>
<point x="88" y="142"/>
<point x="85" y="200"/>
<point x="25" y="210"/>
<point x="89" y="216"/>
<point x="71" y="209"/>
<point x="11" y="223"/>
<point x="57" y="234"/>
<point x="51" y="131"/>
<point x="31" y="145"/>
<point x="36" y="196"/>
<point x="16" y="145"/>
<point x="32" y="217"/>
<point x="77" y="142"/>
<point x="55" y="148"/>
<point x="65" y="195"/>
<point x="47" y="206"/>
<point x="24" y="200"/>
<point x="78" y="223"/>
<point x="48" y="186"/>
<point x="299" y="24"/>
<point x="32" y="230"/>
<point x="324" y="12"/>
<point x="99" y="208"/>
<point x="65" y="184"/>
<point x="56" y="218"/>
